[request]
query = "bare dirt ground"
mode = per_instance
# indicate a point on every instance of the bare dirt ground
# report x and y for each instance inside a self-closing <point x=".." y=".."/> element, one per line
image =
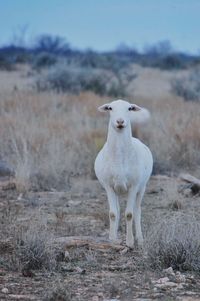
<point x="91" y="273"/>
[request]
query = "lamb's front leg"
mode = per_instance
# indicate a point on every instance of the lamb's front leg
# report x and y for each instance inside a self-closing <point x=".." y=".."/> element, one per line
<point x="137" y="213"/>
<point x="129" y="217"/>
<point x="114" y="213"/>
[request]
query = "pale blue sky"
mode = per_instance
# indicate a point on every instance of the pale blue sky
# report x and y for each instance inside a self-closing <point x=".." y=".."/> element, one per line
<point x="104" y="24"/>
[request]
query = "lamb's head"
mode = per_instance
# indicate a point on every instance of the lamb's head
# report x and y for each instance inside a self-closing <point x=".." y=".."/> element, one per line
<point x="120" y="113"/>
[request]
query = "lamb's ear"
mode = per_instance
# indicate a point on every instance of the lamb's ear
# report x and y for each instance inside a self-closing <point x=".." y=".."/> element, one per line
<point x="134" y="107"/>
<point x="104" y="108"/>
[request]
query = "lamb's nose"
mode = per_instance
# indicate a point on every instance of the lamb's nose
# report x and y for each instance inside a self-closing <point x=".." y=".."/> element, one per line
<point x="120" y="121"/>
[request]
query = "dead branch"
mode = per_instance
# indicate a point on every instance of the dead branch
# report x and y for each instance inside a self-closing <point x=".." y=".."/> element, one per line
<point x="195" y="183"/>
<point x="160" y="177"/>
<point x="91" y="242"/>
<point x="189" y="178"/>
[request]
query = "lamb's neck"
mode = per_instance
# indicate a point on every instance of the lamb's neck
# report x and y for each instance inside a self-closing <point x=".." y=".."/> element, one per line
<point x="119" y="141"/>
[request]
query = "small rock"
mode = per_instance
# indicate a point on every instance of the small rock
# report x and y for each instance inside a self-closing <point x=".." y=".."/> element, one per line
<point x="124" y="251"/>
<point x="22" y="297"/>
<point x="169" y="271"/>
<point x="81" y="271"/>
<point x="187" y="192"/>
<point x="66" y="255"/>
<point x="180" y="277"/>
<point x="20" y="197"/>
<point x="161" y="280"/>
<point x="4" y="290"/>
<point x="166" y="285"/>
<point x="5" y="169"/>
<point x="191" y="279"/>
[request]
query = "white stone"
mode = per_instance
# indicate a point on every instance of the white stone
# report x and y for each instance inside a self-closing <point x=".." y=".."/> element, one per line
<point x="167" y="284"/>
<point x="162" y="280"/>
<point x="169" y="271"/>
<point x="4" y="290"/>
<point x="180" y="277"/>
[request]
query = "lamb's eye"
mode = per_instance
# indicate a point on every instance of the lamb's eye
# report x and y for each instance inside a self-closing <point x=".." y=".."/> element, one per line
<point x="109" y="108"/>
<point x="132" y="108"/>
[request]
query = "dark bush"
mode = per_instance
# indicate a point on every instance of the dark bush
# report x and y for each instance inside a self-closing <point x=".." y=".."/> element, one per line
<point x="22" y="58"/>
<point x="63" y="78"/>
<point x="51" y="44"/>
<point x="5" y="64"/>
<point x="188" y="87"/>
<point x="110" y="61"/>
<point x="43" y="60"/>
<point x="15" y="54"/>
<point x="170" y="62"/>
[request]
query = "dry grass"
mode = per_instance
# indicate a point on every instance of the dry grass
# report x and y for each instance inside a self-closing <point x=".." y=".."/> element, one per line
<point x="32" y="246"/>
<point x="57" y="291"/>
<point x="49" y="138"/>
<point x="175" y="241"/>
<point x="188" y="86"/>
<point x="174" y="134"/>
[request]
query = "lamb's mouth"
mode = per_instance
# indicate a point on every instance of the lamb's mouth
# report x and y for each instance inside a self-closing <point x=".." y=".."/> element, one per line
<point x="120" y="126"/>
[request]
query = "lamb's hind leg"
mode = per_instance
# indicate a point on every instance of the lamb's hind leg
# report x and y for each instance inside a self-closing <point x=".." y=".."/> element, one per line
<point x="129" y="217"/>
<point x="114" y="213"/>
<point x="137" y="217"/>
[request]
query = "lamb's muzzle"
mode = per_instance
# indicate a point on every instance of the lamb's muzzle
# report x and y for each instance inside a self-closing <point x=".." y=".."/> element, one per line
<point x="120" y="123"/>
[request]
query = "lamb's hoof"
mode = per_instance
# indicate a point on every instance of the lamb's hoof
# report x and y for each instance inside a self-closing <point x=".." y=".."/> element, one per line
<point x="130" y="244"/>
<point x="140" y="244"/>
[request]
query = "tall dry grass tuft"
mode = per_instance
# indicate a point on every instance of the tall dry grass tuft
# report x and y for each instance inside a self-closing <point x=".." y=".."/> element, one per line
<point x="57" y="290"/>
<point x="188" y="86"/>
<point x="31" y="244"/>
<point x="173" y="134"/>
<point x="175" y="242"/>
<point x="34" y="248"/>
<point x="48" y="138"/>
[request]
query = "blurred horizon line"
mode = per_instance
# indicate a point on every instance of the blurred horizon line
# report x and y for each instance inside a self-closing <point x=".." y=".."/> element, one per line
<point x="20" y="40"/>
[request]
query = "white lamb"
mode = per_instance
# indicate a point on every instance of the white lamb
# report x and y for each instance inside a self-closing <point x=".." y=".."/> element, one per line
<point x="124" y="165"/>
